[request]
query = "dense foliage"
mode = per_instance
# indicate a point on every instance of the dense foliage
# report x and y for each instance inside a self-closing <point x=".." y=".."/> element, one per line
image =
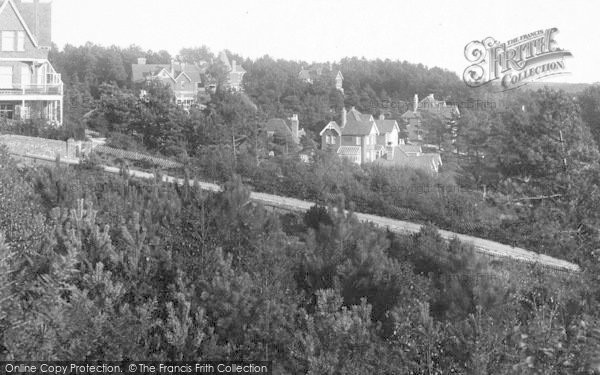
<point x="102" y="267"/>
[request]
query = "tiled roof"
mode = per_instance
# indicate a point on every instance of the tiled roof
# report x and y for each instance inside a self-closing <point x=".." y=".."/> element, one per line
<point x="331" y="125"/>
<point x="304" y="74"/>
<point x="225" y="60"/>
<point x="355" y="115"/>
<point x="239" y="69"/>
<point x="357" y="127"/>
<point x="386" y="126"/>
<point x="278" y="125"/>
<point x="410" y="148"/>
<point x="140" y="71"/>
<point x="411" y="114"/>
<point x="349" y="150"/>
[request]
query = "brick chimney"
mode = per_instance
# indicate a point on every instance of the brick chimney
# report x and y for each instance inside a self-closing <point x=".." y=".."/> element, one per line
<point x="416" y="103"/>
<point x="141" y="61"/>
<point x="344" y="116"/>
<point x="173" y="67"/>
<point x="295" y="124"/>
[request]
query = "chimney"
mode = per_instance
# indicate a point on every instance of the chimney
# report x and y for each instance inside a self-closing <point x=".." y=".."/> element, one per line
<point x="344" y="116"/>
<point x="141" y="61"/>
<point x="233" y="65"/>
<point x="295" y="125"/>
<point x="381" y="116"/>
<point x="416" y="103"/>
<point x="172" y="67"/>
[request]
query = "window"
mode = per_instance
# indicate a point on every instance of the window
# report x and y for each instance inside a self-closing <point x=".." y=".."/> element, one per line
<point x="333" y="140"/>
<point x="6" y="77"/>
<point x="328" y="139"/>
<point x="20" y="41"/>
<point x="7" y="111"/>
<point x="358" y="141"/>
<point x="8" y="41"/>
<point x="367" y="140"/>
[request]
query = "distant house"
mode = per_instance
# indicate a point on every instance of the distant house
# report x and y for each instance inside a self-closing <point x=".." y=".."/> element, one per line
<point x="287" y="130"/>
<point x="413" y="119"/>
<point x="355" y="139"/>
<point x="362" y="139"/>
<point x="339" y="81"/>
<point x="319" y="73"/>
<point x="235" y="72"/>
<point x="30" y="88"/>
<point x="184" y="79"/>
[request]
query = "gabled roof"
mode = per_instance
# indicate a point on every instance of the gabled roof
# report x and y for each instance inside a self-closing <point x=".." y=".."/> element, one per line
<point x="411" y="114"/>
<point x="141" y="71"/>
<point x="354" y="114"/>
<point x="387" y="126"/>
<point x="184" y="75"/>
<point x="333" y="126"/>
<point x="238" y="69"/>
<point x="278" y="125"/>
<point x="20" y="17"/>
<point x="359" y="128"/>
<point x="304" y="74"/>
<point x="225" y="60"/>
<point x="409" y="148"/>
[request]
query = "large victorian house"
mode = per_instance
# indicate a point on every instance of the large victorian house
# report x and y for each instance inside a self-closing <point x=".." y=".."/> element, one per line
<point x="184" y="79"/>
<point x="362" y="139"/>
<point x="30" y="88"/>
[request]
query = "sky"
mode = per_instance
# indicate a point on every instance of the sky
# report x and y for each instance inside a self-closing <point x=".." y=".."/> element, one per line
<point x="430" y="32"/>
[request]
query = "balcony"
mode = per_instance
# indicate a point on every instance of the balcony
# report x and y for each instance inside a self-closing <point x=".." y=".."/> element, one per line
<point x="50" y="89"/>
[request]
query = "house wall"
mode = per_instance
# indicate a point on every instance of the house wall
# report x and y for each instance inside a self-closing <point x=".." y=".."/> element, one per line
<point x="325" y="146"/>
<point x="384" y="138"/>
<point x="10" y="22"/>
<point x="350" y="140"/>
<point x="235" y="79"/>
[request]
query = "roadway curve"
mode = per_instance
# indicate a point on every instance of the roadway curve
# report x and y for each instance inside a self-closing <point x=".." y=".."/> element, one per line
<point x="487" y="247"/>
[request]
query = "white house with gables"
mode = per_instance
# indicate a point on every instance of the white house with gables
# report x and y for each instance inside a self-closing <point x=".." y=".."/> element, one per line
<point x="30" y="88"/>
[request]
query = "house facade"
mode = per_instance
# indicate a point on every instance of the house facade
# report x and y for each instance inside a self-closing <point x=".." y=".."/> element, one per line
<point x="185" y="80"/>
<point x="311" y="76"/>
<point x="30" y="88"/>
<point x="362" y="139"/>
<point x="235" y="72"/>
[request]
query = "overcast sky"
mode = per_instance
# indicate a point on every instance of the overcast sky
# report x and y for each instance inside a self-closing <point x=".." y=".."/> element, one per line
<point x="430" y="32"/>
